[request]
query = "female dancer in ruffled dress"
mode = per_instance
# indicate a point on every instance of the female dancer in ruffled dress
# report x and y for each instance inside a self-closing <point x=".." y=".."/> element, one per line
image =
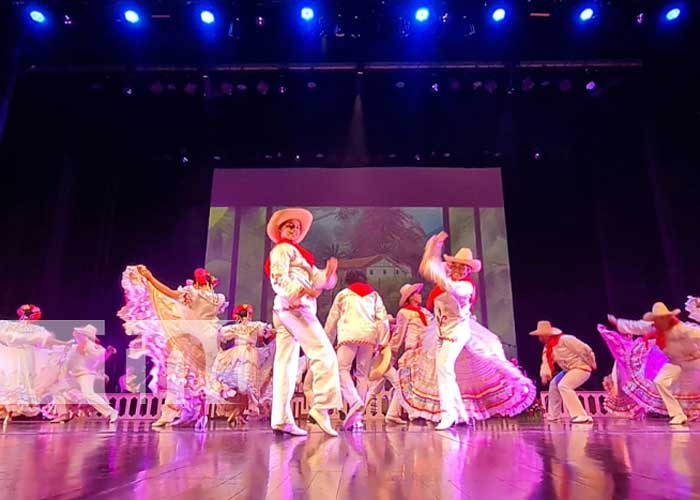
<point x="238" y="369"/>
<point x="638" y="363"/>
<point x="20" y="389"/>
<point x="492" y="385"/>
<point x="178" y="330"/>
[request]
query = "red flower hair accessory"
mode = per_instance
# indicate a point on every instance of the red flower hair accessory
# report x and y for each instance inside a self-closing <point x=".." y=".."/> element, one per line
<point x="29" y="311"/>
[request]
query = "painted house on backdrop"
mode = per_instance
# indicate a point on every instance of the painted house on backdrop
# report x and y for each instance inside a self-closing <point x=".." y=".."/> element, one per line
<point x="385" y="274"/>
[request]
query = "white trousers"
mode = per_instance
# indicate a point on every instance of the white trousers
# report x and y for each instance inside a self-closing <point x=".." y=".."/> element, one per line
<point x="362" y="355"/>
<point x="295" y="329"/>
<point x="664" y="380"/>
<point x="562" y="388"/>
<point x="451" y="403"/>
<point x="87" y="388"/>
<point x="396" y="402"/>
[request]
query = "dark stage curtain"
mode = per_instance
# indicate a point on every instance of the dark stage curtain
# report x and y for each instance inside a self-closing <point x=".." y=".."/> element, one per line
<point x="603" y="222"/>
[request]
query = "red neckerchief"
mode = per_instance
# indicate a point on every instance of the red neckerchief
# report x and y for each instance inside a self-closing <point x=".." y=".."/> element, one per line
<point x="361" y="289"/>
<point x="660" y="336"/>
<point x="308" y="256"/>
<point x="418" y="310"/>
<point x="437" y="291"/>
<point x="549" y="350"/>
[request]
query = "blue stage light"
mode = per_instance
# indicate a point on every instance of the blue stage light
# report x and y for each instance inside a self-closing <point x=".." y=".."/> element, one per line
<point x="207" y="16"/>
<point x="498" y="15"/>
<point x="132" y="16"/>
<point x="37" y="16"/>
<point x="307" y="13"/>
<point x="422" y="14"/>
<point x="586" y="14"/>
<point x="672" y="14"/>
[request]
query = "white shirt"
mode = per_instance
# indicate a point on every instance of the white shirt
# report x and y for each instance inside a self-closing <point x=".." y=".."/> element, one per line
<point x="290" y="273"/>
<point x="410" y="328"/>
<point x="682" y="340"/>
<point x="357" y="320"/>
<point x="570" y="353"/>
<point x="85" y="363"/>
<point x="452" y="308"/>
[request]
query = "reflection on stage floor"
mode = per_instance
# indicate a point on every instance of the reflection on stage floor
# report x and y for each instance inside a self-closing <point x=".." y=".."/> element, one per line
<point x="498" y="459"/>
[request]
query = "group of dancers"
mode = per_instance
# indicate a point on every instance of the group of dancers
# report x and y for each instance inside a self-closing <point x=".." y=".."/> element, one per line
<point x="196" y="360"/>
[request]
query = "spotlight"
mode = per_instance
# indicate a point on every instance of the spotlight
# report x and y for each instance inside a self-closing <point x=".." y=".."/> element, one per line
<point x="132" y="16"/>
<point x="227" y="88"/>
<point x="435" y="88"/>
<point x="400" y="84"/>
<point x="67" y="20"/>
<point x="207" y="16"/>
<point x="640" y="18"/>
<point x="422" y="14"/>
<point x="672" y="14"/>
<point x="498" y="15"/>
<point x="586" y="14"/>
<point x="242" y="87"/>
<point x="307" y="13"/>
<point x="263" y="87"/>
<point x="282" y="89"/>
<point x="591" y="86"/>
<point x="312" y="85"/>
<point x="37" y="16"/>
<point x="259" y="21"/>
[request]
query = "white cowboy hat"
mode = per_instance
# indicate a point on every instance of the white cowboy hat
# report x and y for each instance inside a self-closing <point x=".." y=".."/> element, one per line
<point x="407" y="290"/>
<point x="88" y="331"/>
<point x="545" y="329"/>
<point x="659" y="309"/>
<point x="464" y="256"/>
<point x="281" y="216"/>
<point x="380" y="364"/>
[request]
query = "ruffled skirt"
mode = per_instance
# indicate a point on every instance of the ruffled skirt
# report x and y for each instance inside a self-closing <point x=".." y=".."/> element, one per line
<point x="490" y="384"/>
<point x="637" y="366"/>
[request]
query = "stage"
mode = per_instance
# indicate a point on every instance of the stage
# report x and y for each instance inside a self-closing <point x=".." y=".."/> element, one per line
<point x="495" y="459"/>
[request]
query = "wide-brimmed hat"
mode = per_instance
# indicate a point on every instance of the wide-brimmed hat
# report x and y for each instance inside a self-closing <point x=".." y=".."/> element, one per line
<point x="380" y="364"/>
<point x="464" y="256"/>
<point x="407" y="290"/>
<point x="658" y="310"/>
<point x="88" y="331"/>
<point x="281" y="216"/>
<point x="545" y="329"/>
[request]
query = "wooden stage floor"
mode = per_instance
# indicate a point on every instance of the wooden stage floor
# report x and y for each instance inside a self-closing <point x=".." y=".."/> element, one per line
<point x="496" y="460"/>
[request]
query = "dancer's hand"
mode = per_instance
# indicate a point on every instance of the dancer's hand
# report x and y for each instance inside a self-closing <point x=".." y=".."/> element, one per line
<point x="331" y="266"/>
<point x="612" y="320"/>
<point x="546" y="379"/>
<point x="144" y="271"/>
<point x="441" y="237"/>
<point x="311" y="292"/>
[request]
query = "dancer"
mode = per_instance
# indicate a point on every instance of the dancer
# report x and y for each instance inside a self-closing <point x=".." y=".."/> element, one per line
<point x="297" y="282"/>
<point x="177" y="329"/>
<point x="489" y="384"/>
<point x="21" y="387"/>
<point x="237" y="369"/>
<point x="618" y="400"/>
<point x="576" y="360"/>
<point x="79" y="371"/>
<point x="452" y="307"/>
<point x="359" y="320"/>
<point x="680" y="342"/>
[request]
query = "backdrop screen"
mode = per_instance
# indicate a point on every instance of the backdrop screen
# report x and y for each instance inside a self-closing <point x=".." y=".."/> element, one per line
<point x="373" y="219"/>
